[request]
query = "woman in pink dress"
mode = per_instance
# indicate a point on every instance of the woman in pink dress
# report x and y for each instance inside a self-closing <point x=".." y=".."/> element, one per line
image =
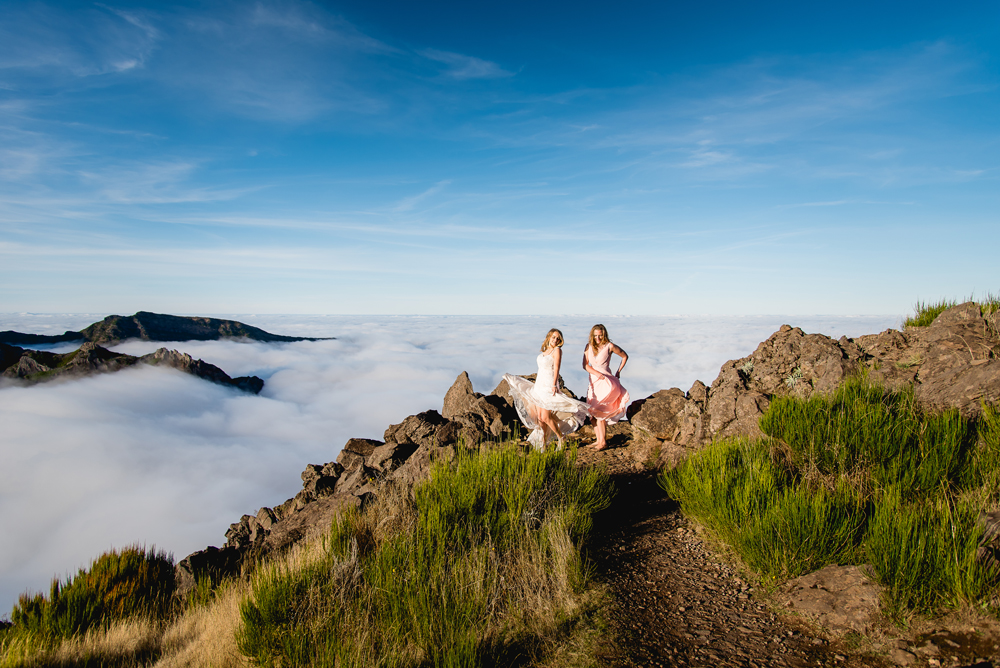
<point x="606" y="398"/>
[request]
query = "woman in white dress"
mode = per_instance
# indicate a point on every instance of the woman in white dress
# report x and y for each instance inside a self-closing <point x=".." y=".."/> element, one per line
<point x="540" y="405"/>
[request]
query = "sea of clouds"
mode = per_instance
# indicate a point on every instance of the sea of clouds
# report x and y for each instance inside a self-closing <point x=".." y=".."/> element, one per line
<point x="157" y="457"/>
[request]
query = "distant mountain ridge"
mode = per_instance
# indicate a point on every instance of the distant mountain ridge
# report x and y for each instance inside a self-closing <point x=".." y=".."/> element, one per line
<point x="148" y="326"/>
<point x="36" y="366"/>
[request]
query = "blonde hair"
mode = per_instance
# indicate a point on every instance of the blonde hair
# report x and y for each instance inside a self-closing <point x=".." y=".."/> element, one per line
<point x="591" y="344"/>
<point x="545" y="343"/>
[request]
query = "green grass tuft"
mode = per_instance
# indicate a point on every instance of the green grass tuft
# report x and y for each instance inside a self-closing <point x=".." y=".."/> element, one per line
<point x="860" y="476"/>
<point x="486" y="561"/>
<point x="924" y="313"/>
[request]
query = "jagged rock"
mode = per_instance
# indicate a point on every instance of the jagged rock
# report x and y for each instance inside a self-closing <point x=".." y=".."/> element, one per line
<point x="658" y="415"/>
<point x="355" y="451"/>
<point x="318" y="481"/>
<point x="418" y="466"/>
<point x="266" y="518"/>
<point x="211" y="563"/>
<point x="502" y="392"/>
<point x="481" y="417"/>
<point x="360" y="480"/>
<point x="698" y="393"/>
<point x="312" y="519"/>
<point x="238" y="534"/>
<point x="427" y="428"/>
<point x="788" y="362"/>
<point x="390" y="456"/>
<point x="840" y="598"/>
<point x="460" y="398"/>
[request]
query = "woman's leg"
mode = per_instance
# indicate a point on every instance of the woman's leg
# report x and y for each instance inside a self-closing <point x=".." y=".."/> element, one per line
<point x="549" y="424"/>
<point x="601" y="431"/>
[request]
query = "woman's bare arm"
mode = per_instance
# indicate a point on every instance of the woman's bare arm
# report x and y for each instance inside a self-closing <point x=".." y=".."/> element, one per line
<point x="621" y="353"/>
<point x="557" y="361"/>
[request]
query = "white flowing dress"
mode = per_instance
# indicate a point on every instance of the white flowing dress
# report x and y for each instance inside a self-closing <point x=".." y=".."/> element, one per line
<point x="569" y="414"/>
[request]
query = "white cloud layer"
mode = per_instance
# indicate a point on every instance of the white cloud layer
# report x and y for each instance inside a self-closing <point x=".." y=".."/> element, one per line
<point x="154" y="456"/>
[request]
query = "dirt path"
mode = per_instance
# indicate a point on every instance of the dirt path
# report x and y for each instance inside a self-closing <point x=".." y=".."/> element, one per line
<point x="675" y="602"/>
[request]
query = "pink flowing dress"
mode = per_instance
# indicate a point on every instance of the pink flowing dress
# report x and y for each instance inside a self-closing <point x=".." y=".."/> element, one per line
<point x="606" y="398"/>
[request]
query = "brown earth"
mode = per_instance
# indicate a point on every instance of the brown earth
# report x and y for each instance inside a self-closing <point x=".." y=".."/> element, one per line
<point x="678" y="601"/>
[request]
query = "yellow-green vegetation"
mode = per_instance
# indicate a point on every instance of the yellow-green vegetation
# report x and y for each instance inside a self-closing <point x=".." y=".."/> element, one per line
<point x="861" y="476"/>
<point x="118" y="586"/>
<point x="480" y="565"/>
<point x="924" y="313"/>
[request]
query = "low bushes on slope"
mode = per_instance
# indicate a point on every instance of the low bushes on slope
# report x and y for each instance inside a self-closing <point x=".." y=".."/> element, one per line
<point x="479" y="565"/>
<point x="861" y="476"/>
<point x="120" y="586"/>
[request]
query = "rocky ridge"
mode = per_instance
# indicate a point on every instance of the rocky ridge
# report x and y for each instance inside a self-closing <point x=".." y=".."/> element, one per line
<point x="148" y="326"/>
<point x="35" y="366"/>
<point x="951" y="363"/>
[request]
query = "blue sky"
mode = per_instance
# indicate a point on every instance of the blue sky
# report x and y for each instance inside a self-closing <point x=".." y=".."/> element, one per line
<point x="366" y="157"/>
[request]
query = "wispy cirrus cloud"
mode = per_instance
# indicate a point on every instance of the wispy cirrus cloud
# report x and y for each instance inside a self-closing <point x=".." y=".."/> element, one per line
<point x="460" y="66"/>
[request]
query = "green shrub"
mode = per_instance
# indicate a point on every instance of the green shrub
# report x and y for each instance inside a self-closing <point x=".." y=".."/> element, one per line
<point x="485" y="558"/>
<point x="865" y="431"/>
<point x="858" y="476"/>
<point x="118" y="584"/>
<point x="925" y="313"/>
<point x="926" y="553"/>
<point x="780" y="529"/>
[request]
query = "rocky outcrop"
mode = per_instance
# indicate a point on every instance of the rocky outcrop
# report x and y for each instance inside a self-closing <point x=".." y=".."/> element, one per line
<point x="363" y="466"/>
<point x="953" y="363"/>
<point x="154" y="327"/>
<point x="838" y="598"/>
<point x="34" y="366"/>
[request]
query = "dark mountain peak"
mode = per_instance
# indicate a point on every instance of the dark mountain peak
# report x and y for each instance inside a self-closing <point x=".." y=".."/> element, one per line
<point x="155" y="327"/>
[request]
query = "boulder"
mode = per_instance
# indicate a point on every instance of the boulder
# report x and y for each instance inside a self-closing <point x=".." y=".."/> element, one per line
<point x="211" y="563"/>
<point x="658" y="416"/>
<point x="839" y="598"/>
<point x="355" y="451"/>
<point x="390" y="456"/>
<point x="427" y="428"/>
<point x="318" y="481"/>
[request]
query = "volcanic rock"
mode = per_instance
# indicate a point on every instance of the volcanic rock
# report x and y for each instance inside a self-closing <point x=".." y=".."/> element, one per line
<point x="839" y="598"/>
